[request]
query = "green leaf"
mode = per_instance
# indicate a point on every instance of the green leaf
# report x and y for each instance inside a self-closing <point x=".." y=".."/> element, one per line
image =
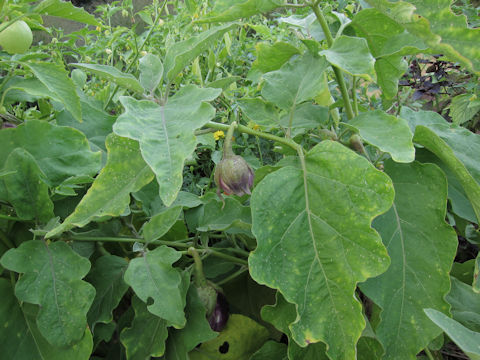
<point x="229" y="10"/>
<point x="166" y="133"/>
<point x="52" y="279"/>
<point x="107" y="278"/>
<point x="161" y="223"/>
<point x="272" y="57"/>
<point x="20" y="338"/>
<point x="96" y="124"/>
<point x="260" y="112"/>
<point x="467" y="340"/>
<point x="389" y="70"/>
<point x="111" y="73"/>
<point x="125" y="172"/>
<point x="414" y="226"/>
<point x="455" y="146"/>
<point x="465" y="304"/>
<point x="216" y="217"/>
<point x="281" y="315"/>
<point x="146" y="337"/>
<point x="297" y="81"/>
<point x="152" y="276"/>
<point x="26" y="191"/>
<point x="151" y="72"/>
<point x="56" y="79"/>
<point x="387" y="132"/>
<point x="306" y="116"/>
<point x="197" y="330"/>
<point x="60" y="152"/>
<point x="352" y="55"/>
<point x="326" y="233"/>
<point x="271" y="350"/>
<point x="243" y="336"/>
<point x="462" y="108"/>
<point x="66" y="10"/>
<point x="182" y="53"/>
<point x="476" y="275"/>
<point x="435" y="23"/>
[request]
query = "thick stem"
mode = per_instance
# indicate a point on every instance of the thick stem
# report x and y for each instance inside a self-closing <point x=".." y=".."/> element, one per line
<point x="8" y="217"/>
<point x="199" y="278"/>
<point x="354" y="95"/>
<point x="247" y="130"/>
<point x="227" y="144"/>
<point x="226" y="257"/>
<point x="176" y="244"/>
<point x="338" y="73"/>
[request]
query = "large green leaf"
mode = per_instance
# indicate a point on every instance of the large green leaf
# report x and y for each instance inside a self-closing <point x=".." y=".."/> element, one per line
<point x="56" y="79"/>
<point x="271" y="350"/>
<point x="466" y="339"/>
<point x="166" y="133"/>
<point x="389" y="70"/>
<point x="228" y="10"/>
<point x="272" y="57"/>
<point x="146" y="337"/>
<point x="20" y="338"/>
<point x="352" y="55"/>
<point x="413" y="227"/>
<point x="387" y="132"/>
<point x="182" y="53"/>
<point x="463" y="108"/>
<point x="260" y="112"/>
<point x="66" y="10"/>
<point x="161" y="223"/>
<point x="434" y="22"/>
<point x="455" y="146"/>
<point x="315" y="241"/>
<point x="214" y="216"/>
<point x="111" y="73"/>
<point x="152" y="276"/>
<point x="52" y="279"/>
<point x="60" y="152"/>
<point x="125" y="172"/>
<point x="107" y="278"/>
<point x="26" y="191"/>
<point x="465" y="304"/>
<point x="295" y="82"/>
<point x="197" y="330"/>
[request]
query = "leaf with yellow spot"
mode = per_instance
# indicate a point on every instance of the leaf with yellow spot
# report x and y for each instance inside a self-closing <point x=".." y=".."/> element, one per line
<point x="315" y="242"/>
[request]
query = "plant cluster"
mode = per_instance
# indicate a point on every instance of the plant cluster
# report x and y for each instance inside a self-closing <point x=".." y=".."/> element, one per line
<point x="240" y="179"/>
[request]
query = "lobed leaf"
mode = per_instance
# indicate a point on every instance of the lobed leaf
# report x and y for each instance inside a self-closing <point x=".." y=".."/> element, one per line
<point x="272" y="57"/>
<point x="52" y="279"/>
<point x="152" y="277"/>
<point x="182" y="53"/>
<point x="66" y="10"/>
<point x="56" y="79"/>
<point x="146" y="337"/>
<point x="166" y="133"/>
<point x="413" y="227"/>
<point x="107" y="278"/>
<point x="151" y="72"/>
<point x="111" y="73"/>
<point x="387" y="132"/>
<point x="125" y="172"/>
<point x="314" y="241"/>
<point x="229" y="10"/>
<point x="20" y="338"/>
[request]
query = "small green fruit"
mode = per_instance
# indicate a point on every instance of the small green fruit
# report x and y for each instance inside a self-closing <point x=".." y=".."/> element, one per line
<point x="17" y="38"/>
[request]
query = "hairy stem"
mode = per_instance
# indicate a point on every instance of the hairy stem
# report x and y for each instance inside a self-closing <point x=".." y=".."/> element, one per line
<point x="338" y="73"/>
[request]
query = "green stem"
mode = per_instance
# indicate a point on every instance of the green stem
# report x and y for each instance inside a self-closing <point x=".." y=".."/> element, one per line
<point x="227" y="144"/>
<point x="200" y="280"/>
<point x="338" y="73"/>
<point x="7" y="217"/>
<point x="233" y="276"/>
<point x="177" y="244"/>
<point x="429" y="354"/>
<point x="8" y="243"/>
<point x="354" y="95"/>
<point x="226" y="257"/>
<point x="247" y="130"/>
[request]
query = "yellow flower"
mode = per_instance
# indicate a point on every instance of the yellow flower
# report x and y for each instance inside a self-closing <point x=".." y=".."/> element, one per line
<point x="218" y="134"/>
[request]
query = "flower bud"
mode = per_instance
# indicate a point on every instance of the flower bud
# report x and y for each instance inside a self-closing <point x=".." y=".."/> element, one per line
<point x="234" y="176"/>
